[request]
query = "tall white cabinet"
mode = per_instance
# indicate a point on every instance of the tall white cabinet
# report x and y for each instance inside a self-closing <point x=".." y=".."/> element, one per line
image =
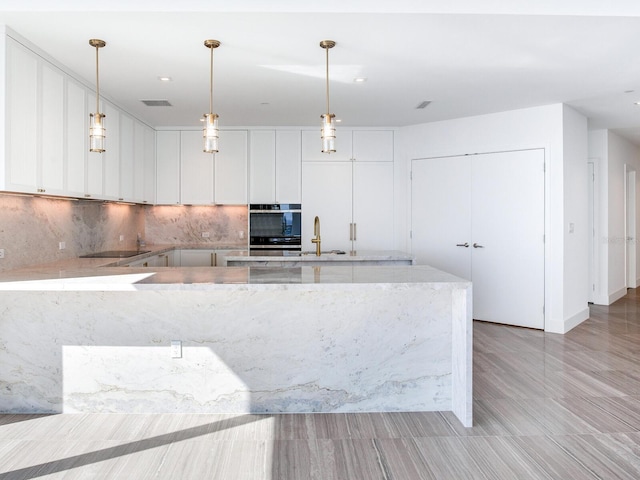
<point x="350" y="191"/>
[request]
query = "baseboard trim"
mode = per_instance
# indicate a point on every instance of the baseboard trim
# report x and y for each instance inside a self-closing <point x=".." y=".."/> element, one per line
<point x="617" y="295"/>
<point x="576" y="320"/>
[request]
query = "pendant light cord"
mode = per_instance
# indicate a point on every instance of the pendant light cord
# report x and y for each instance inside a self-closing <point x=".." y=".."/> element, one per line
<point x="97" y="82"/>
<point x="327" y="62"/>
<point x="211" y="82"/>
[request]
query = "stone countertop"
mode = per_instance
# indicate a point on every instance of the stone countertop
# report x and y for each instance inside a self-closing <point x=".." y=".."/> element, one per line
<point x="310" y="256"/>
<point x="108" y="274"/>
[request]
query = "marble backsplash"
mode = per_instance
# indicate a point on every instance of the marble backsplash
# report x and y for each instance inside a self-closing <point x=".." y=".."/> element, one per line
<point x="31" y="228"/>
<point x="217" y="225"/>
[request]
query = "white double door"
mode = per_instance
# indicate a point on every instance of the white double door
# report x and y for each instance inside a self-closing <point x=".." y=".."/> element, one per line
<point x="481" y="217"/>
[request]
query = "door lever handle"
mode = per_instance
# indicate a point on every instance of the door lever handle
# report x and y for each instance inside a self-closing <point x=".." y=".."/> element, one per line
<point x="465" y="245"/>
<point x="475" y="245"/>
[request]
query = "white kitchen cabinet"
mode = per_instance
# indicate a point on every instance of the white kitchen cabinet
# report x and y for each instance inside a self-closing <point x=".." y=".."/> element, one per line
<point x="326" y="193"/>
<point x="354" y="199"/>
<point x="275" y="166"/>
<point x="262" y="166"/>
<point x="51" y="129"/>
<point x="22" y="120"/>
<point x="127" y="159"/>
<point x="168" y="167"/>
<point x="196" y="170"/>
<point x="138" y="161"/>
<point x="149" y="182"/>
<point x="198" y="258"/>
<point x="288" y="166"/>
<point x="312" y="146"/>
<point x="76" y="139"/>
<point x="231" y="168"/>
<point x="372" y="206"/>
<point x="111" y="155"/>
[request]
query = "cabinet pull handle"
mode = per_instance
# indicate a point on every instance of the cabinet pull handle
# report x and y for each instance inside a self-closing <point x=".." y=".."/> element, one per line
<point x="213" y="259"/>
<point x="465" y="244"/>
<point x="476" y="245"/>
<point x="355" y="232"/>
<point x="351" y="232"/>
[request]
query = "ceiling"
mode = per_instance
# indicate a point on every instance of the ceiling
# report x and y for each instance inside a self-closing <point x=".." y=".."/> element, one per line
<point x="466" y="59"/>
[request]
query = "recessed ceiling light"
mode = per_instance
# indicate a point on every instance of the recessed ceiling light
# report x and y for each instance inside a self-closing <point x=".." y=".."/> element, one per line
<point x="338" y="120"/>
<point x="637" y="103"/>
<point x="359" y="79"/>
<point x="165" y="79"/>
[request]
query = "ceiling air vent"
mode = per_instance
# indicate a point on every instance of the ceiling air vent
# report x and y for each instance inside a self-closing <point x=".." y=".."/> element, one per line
<point x="423" y="104"/>
<point x="156" y="103"/>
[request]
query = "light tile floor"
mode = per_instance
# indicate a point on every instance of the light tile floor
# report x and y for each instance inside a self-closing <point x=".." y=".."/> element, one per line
<point x="546" y="407"/>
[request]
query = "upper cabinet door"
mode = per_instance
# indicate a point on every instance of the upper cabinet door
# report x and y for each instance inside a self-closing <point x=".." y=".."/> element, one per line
<point x="231" y="168"/>
<point x="288" y="166"/>
<point x="52" y="131"/>
<point x="149" y="165"/>
<point x="22" y="106"/>
<point x="76" y="139"/>
<point x="196" y="170"/>
<point x="373" y="145"/>
<point x="262" y="166"/>
<point x="127" y="158"/>
<point x="167" y="168"/>
<point x="111" y="156"/>
<point x="312" y="146"/>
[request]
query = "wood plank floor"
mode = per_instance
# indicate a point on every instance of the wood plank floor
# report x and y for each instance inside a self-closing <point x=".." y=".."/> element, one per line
<point x="546" y="407"/>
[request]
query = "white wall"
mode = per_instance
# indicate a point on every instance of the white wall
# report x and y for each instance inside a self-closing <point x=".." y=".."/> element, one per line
<point x="576" y="244"/>
<point x="540" y="127"/>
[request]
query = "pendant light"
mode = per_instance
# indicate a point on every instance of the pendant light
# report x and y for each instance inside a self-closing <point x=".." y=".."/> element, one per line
<point x="328" y="130"/>
<point x="210" y="130"/>
<point x="97" y="132"/>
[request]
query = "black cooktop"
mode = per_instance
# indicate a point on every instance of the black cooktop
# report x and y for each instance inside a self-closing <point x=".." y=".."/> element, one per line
<point x="115" y="254"/>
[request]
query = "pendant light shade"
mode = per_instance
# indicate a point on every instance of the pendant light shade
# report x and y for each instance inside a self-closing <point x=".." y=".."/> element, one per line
<point x="328" y="130"/>
<point x="210" y="131"/>
<point x="97" y="132"/>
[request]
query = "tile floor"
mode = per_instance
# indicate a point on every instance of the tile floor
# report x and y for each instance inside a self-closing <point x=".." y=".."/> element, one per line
<point x="546" y="407"/>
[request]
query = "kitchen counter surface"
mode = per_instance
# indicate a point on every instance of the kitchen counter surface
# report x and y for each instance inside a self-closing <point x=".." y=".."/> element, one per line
<point x="338" y="257"/>
<point x="110" y="274"/>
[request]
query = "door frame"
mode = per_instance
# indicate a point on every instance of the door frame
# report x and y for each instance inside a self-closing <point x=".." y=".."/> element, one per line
<point x="630" y="208"/>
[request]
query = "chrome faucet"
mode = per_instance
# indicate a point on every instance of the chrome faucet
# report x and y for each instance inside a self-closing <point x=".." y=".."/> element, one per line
<point x="316" y="232"/>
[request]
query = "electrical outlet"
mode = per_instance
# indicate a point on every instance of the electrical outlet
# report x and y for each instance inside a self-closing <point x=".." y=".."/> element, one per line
<point x="62" y="245"/>
<point x="241" y="234"/>
<point x="176" y="349"/>
<point x="205" y="234"/>
<point x="121" y="237"/>
<point x="1" y="252"/>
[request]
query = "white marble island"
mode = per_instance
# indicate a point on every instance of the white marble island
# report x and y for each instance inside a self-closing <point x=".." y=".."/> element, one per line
<point x="305" y="339"/>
